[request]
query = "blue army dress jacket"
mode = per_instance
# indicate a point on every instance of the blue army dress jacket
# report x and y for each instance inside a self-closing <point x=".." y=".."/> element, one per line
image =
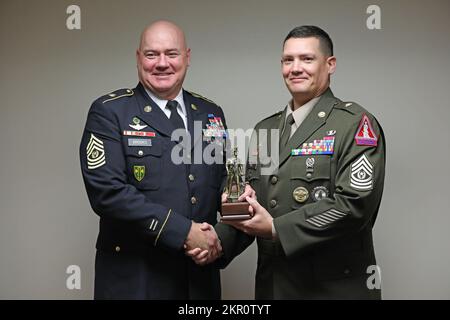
<point x="145" y="201"/>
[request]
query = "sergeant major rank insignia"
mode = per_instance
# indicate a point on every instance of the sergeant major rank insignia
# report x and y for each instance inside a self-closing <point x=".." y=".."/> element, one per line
<point x="95" y="152"/>
<point x="361" y="175"/>
<point x="139" y="172"/>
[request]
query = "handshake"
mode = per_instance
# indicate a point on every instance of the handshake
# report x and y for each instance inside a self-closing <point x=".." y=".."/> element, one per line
<point x="203" y="244"/>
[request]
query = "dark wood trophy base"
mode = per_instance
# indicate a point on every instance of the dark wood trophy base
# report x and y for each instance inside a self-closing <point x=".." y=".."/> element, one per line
<point x="235" y="211"/>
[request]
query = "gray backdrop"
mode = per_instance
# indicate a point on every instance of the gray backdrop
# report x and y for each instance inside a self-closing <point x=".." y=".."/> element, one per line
<point x="49" y="76"/>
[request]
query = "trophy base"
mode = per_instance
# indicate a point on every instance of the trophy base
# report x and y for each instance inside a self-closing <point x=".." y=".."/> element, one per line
<point x="235" y="211"/>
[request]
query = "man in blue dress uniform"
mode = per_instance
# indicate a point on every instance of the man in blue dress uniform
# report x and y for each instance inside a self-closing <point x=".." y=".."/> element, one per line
<point x="152" y="207"/>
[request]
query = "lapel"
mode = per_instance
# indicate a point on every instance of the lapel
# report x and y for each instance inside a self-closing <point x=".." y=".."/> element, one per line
<point x="156" y="118"/>
<point x="311" y="124"/>
<point x="194" y="113"/>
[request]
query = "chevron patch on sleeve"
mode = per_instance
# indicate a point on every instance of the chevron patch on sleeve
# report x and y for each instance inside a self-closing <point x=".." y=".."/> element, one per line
<point x="361" y="174"/>
<point x="326" y="218"/>
<point x="95" y="152"/>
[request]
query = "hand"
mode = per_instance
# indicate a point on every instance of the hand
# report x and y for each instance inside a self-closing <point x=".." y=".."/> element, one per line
<point x="224" y="197"/>
<point x="248" y="192"/>
<point x="205" y="248"/>
<point x="259" y="225"/>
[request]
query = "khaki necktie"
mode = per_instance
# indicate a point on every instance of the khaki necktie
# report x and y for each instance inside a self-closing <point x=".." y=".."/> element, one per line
<point x="287" y="131"/>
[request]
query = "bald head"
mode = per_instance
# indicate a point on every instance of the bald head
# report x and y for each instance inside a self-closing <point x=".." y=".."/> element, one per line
<point x="163" y="29"/>
<point x="163" y="59"/>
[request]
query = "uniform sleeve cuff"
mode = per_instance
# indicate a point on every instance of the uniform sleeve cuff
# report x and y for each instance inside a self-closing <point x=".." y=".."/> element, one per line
<point x="274" y="232"/>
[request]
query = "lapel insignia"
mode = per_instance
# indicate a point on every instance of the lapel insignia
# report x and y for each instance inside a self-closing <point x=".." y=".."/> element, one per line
<point x="323" y="146"/>
<point x="365" y="135"/>
<point x="147" y="109"/>
<point x="139" y="172"/>
<point x="139" y="133"/>
<point x="194" y="107"/>
<point x="95" y="152"/>
<point x="361" y="175"/>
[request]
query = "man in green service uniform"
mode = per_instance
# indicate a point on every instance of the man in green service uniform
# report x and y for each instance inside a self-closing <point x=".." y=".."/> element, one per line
<point x="314" y="214"/>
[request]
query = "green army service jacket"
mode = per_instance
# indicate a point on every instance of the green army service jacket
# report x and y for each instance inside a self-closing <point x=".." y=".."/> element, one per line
<point x="324" y="196"/>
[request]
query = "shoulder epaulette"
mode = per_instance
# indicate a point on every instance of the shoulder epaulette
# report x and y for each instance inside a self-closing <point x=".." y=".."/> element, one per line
<point x="201" y="97"/>
<point x="275" y="115"/>
<point x="351" y="107"/>
<point x="117" y="95"/>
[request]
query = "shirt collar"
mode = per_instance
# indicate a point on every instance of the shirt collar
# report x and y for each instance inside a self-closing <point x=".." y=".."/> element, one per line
<point x="162" y="102"/>
<point x="301" y="113"/>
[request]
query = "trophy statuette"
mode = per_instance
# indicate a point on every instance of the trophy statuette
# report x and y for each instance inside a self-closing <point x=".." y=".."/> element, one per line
<point x="234" y="188"/>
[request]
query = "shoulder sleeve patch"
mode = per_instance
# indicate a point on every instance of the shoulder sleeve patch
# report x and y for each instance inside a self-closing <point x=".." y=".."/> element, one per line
<point x="118" y="94"/>
<point x="365" y="135"/>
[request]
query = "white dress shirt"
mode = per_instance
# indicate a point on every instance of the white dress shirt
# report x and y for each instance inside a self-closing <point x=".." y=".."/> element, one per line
<point x="181" y="109"/>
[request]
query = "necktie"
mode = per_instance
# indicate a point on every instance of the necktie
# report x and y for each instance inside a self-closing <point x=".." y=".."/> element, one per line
<point x="174" y="116"/>
<point x="287" y="131"/>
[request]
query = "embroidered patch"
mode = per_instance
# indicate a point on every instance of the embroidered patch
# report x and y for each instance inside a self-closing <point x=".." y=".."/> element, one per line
<point x="139" y="133"/>
<point x="324" y="146"/>
<point x="95" y="152"/>
<point x="139" y="172"/>
<point x="153" y="225"/>
<point x="365" y="135"/>
<point x="361" y="174"/>
<point x="326" y="218"/>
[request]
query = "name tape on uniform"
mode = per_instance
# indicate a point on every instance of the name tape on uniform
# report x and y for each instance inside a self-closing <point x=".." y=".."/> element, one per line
<point x="139" y="142"/>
